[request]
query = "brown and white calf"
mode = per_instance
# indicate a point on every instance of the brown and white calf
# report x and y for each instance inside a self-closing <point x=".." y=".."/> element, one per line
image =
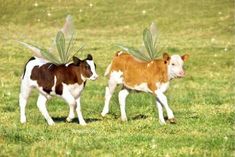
<point x="152" y="77"/>
<point x="66" y="81"/>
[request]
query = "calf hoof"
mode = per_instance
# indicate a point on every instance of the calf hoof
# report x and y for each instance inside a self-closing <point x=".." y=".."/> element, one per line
<point x="51" y="123"/>
<point x="23" y="121"/>
<point x="68" y="120"/>
<point x="172" y="121"/>
<point x="103" y="113"/>
<point x="123" y="119"/>
<point x="83" y="123"/>
<point x="162" y="122"/>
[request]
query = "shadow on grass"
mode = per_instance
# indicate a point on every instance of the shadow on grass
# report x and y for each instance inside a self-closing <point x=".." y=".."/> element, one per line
<point x="75" y="120"/>
<point x="137" y="117"/>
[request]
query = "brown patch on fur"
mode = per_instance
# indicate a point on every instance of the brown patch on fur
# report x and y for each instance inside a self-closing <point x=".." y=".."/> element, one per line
<point x="71" y="74"/>
<point x="136" y="72"/>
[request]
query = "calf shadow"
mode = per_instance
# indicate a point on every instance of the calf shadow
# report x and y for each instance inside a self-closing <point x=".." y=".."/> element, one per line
<point x="137" y="117"/>
<point x="75" y="120"/>
<point x="91" y="120"/>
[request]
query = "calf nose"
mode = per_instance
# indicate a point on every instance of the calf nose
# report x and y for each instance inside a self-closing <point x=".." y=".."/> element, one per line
<point x="95" y="76"/>
<point x="182" y="73"/>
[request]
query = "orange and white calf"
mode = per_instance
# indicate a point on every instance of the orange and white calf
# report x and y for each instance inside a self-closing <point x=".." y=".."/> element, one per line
<point x="152" y="77"/>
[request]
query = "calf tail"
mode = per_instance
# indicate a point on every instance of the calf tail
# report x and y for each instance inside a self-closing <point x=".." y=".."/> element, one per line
<point x="32" y="58"/>
<point x="107" y="71"/>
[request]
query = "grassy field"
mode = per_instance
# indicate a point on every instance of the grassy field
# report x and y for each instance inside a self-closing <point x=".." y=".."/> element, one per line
<point x="203" y="102"/>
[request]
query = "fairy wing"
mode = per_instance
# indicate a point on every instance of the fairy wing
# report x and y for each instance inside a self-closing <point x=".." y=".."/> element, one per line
<point x="36" y="51"/>
<point x="67" y="32"/>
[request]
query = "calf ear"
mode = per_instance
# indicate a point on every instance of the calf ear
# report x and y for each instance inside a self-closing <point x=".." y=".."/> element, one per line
<point x="185" y="57"/>
<point x="166" y="57"/>
<point x="76" y="60"/>
<point x="89" y="57"/>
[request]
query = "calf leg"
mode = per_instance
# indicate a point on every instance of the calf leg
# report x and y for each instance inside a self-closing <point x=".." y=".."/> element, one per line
<point x="79" y="112"/>
<point x="108" y="94"/>
<point x="161" y="98"/>
<point x="122" y="101"/>
<point x="71" y="115"/>
<point x="23" y="97"/>
<point x="160" y="113"/>
<point x="41" y="103"/>
<point x="72" y="107"/>
<point x="73" y="104"/>
<point x="67" y="96"/>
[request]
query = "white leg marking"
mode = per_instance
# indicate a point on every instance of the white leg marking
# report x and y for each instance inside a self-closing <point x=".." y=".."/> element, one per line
<point x="108" y="94"/>
<point x="79" y="112"/>
<point x="23" y="97"/>
<point x="41" y="103"/>
<point x="115" y="78"/>
<point x="71" y="115"/>
<point x="163" y="100"/>
<point x="68" y="97"/>
<point x="122" y="101"/>
<point x="23" y="102"/>
<point x="160" y="114"/>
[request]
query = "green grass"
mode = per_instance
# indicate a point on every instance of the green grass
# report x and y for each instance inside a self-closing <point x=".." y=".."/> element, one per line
<point x="203" y="102"/>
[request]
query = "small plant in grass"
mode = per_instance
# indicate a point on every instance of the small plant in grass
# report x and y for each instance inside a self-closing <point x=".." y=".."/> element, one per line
<point x="62" y="49"/>
<point x="151" y="49"/>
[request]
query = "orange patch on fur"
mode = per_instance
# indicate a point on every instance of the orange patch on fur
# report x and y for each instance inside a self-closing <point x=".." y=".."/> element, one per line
<point x="136" y="72"/>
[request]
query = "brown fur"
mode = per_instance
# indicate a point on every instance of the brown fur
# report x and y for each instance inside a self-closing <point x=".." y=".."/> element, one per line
<point x="71" y="74"/>
<point x="136" y="72"/>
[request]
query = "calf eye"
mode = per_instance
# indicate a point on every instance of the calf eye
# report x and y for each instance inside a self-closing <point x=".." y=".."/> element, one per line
<point x="173" y="64"/>
<point x="87" y="66"/>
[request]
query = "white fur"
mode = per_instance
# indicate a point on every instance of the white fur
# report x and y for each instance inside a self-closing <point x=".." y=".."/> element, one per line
<point x="122" y="101"/>
<point x="115" y="78"/>
<point x="41" y="103"/>
<point x="92" y="66"/>
<point x="162" y="101"/>
<point x="175" y="67"/>
<point x="119" y="53"/>
<point x="162" y="86"/>
<point x="71" y="94"/>
<point x="142" y="87"/>
<point x="74" y="89"/>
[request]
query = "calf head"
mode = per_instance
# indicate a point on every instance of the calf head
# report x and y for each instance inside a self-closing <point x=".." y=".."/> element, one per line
<point x="175" y="65"/>
<point x="88" y="67"/>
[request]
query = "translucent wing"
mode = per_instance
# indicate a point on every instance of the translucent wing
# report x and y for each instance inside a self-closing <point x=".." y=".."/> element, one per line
<point x="41" y="52"/>
<point x="153" y="30"/>
<point x="68" y="32"/>
<point x="136" y="53"/>
<point x="36" y="51"/>
<point x="60" y="51"/>
<point x="148" y="42"/>
<point x="143" y="50"/>
<point x="68" y="28"/>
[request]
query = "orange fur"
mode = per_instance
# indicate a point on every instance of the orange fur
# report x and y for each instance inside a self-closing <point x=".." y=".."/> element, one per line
<point x="136" y="72"/>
